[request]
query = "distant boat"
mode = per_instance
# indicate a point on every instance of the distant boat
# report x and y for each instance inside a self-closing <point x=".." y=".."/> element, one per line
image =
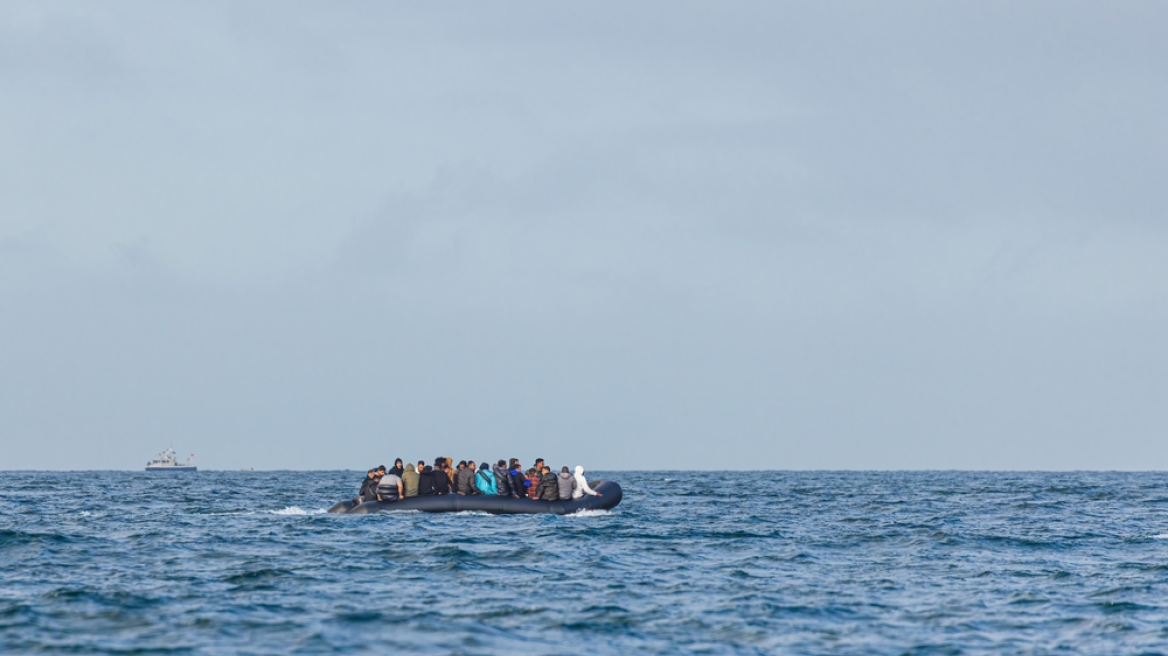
<point x="167" y="462"/>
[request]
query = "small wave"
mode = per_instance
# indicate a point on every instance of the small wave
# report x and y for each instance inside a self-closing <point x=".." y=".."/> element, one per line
<point x="297" y="510"/>
<point x="588" y="513"/>
<point x="1162" y="536"/>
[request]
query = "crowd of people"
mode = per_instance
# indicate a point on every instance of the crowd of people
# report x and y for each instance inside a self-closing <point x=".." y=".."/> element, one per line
<point x="444" y="477"/>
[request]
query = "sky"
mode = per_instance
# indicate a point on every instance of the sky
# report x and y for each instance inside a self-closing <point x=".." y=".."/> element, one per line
<point x="647" y="235"/>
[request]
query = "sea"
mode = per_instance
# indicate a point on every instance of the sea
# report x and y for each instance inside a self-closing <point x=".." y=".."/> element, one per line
<point x="768" y="562"/>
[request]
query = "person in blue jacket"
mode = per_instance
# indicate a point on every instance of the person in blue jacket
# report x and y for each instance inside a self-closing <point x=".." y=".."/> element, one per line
<point x="485" y="480"/>
<point x="519" y="482"/>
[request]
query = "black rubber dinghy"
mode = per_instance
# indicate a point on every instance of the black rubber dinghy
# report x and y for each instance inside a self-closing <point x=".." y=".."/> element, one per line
<point x="491" y="504"/>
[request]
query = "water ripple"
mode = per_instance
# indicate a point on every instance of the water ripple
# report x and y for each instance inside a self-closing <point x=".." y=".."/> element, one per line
<point x="699" y="563"/>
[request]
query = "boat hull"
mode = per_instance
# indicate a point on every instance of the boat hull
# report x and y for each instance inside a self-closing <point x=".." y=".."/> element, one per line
<point x="179" y="468"/>
<point x="495" y="505"/>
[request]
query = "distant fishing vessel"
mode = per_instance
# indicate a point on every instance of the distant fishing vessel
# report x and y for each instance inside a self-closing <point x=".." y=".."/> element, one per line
<point x="167" y="462"/>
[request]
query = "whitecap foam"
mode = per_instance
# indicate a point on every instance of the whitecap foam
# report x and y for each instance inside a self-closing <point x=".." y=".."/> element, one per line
<point x="297" y="510"/>
<point x="1162" y="536"/>
<point x="588" y="513"/>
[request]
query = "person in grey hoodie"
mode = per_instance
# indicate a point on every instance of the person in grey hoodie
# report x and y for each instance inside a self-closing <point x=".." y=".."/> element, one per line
<point x="567" y="483"/>
<point x="582" y="485"/>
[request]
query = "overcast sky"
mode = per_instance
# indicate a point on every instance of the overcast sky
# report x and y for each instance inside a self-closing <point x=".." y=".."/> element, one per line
<point x="628" y="235"/>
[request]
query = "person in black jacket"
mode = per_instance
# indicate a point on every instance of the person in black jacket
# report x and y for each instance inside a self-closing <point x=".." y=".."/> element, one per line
<point x="426" y="481"/>
<point x="519" y="482"/>
<point x="397" y="468"/>
<point x="502" y="479"/>
<point x="371" y="489"/>
<point x="549" y="486"/>
<point x="441" y="477"/>
<point x="365" y="483"/>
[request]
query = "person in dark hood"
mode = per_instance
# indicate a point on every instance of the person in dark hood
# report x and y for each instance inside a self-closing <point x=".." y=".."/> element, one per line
<point x="464" y="481"/>
<point x="567" y="483"/>
<point x="441" y="477"/>
<point x="502" y="479"/>
<point x="426" y="481"/>
<point x="397" y="469"/>
<point x="549" y="486"/>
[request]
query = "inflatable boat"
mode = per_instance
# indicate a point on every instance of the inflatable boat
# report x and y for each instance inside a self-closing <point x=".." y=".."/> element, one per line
<point x="490" y="504"/>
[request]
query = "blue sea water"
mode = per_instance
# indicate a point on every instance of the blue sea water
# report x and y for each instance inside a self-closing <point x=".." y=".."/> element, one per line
<point x="702" y="563"/>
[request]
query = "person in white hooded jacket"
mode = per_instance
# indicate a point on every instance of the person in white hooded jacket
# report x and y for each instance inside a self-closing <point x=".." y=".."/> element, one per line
<point x="582" y="485"/>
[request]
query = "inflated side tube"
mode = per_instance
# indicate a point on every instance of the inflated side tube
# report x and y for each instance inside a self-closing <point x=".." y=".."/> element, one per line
<point x="492" y="504"/>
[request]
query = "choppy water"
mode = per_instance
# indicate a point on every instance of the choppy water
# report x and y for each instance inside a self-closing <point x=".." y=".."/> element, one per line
<point x="718" y="563"/>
